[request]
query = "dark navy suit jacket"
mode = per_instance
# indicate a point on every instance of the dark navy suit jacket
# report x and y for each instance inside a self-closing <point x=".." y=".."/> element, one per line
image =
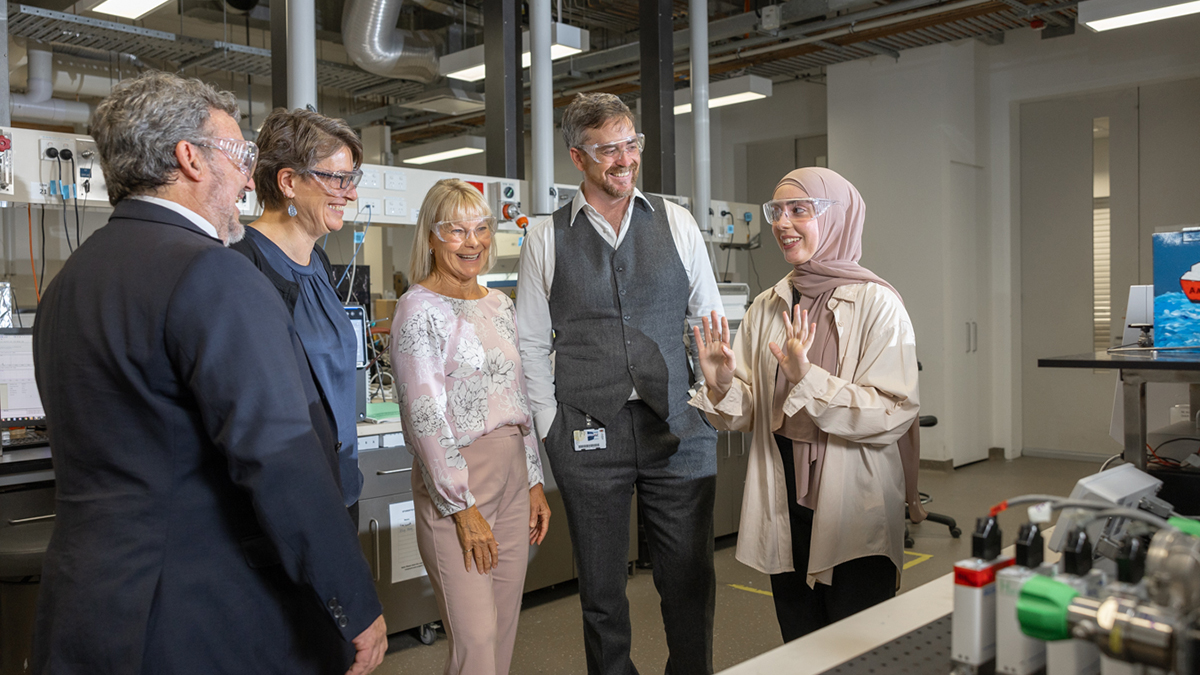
<point x="200" y="528"/>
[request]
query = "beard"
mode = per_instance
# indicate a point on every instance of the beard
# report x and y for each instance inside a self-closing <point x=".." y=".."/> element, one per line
<point x="612" y="191"/>
<point x="235" y="231"/>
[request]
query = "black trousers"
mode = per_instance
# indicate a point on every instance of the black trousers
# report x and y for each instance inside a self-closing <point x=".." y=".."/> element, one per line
<point x="674" y="468"/>
<point x="857" y="584"/>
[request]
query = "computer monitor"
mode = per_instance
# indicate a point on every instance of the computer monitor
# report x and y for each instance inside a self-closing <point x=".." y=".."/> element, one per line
<point x="358" y="317"/>
<point x="20" y="404"/>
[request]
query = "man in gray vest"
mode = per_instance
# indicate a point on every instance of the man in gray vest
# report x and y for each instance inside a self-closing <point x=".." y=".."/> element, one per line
<point x="607" y="284"/>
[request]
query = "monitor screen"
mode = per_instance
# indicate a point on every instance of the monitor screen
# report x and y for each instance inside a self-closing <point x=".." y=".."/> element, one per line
<point x="20" y="404"/>
<point x="358" y="318"/>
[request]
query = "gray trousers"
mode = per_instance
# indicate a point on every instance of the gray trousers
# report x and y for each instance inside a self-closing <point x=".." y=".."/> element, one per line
<point x="674" y="468"/>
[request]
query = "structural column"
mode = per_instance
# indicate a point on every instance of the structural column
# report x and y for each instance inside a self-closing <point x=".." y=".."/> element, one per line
<point x="293" y="54"/>
<point x="658" y="96"/>
<point x="504" y="90"/>
<point x="701" y="155"/>
<point x="541" y="109"/>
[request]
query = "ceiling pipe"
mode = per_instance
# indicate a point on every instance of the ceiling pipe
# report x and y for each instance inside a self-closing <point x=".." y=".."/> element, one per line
<point x="541" y="108"/>
<point x="374" y="43"/>
<point x="36" y="104"/>
<point x="453" y="10"/>
<point x="701" y="149"/>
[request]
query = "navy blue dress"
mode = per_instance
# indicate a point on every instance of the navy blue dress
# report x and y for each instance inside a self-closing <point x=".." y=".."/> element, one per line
<point x="330" y="342"/>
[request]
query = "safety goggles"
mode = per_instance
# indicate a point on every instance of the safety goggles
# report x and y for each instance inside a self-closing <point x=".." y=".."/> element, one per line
<point x="338" y="181"/>
<point x="796" y="210"/>
<point x="602" y="153"/>
<point x="458" y="231"/>
<point x="243" y="154"/>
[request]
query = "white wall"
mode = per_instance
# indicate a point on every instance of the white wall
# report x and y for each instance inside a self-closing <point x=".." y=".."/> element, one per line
<point x="904" y="134"/>
<point x="933" y="95"/>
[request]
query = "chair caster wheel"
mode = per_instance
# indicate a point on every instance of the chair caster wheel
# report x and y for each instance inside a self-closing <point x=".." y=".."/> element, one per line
<point x="427" y="633"/>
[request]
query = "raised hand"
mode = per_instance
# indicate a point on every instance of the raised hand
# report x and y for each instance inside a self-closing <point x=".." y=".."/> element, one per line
<point x="715" y="355"/>
<point x="799" y="336"/>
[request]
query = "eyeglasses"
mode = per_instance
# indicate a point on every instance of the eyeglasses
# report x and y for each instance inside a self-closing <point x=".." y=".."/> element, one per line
<point x="458" y="231"/>
<point x="338" y="180"/>
<point x="607" y="152"/>
<point x="243" y="154"/>
<point x="796" y="210"/>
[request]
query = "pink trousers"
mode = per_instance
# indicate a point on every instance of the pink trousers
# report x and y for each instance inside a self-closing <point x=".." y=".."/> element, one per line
<point x="480" y="612"/>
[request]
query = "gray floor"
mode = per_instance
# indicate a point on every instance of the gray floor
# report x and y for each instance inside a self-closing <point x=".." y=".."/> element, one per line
<point x="549" y="639"/>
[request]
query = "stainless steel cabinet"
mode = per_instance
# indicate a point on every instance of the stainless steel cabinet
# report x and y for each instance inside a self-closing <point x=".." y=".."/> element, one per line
<point x="732" y="449"/>
<point x="387" y="474"/>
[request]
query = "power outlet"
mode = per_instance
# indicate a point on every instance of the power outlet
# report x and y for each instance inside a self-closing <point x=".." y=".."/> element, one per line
<point x="45" y="144"/>
<point x="370" y="179"/>
<point x="395" y="206"/>
<point x="369" y="206"/>
<point x="394" y="180"/>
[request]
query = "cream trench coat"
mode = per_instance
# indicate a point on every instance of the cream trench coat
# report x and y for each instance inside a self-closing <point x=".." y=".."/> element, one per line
<point x="865" y="409"/>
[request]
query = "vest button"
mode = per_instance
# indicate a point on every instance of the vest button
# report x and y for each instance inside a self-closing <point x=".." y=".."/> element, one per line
<point x="633" y="367"/>
<point x="627" y="317"/>
<point x="622" y="291"/>
<point x="628" y="342"/>
<point x="620" y="269"/>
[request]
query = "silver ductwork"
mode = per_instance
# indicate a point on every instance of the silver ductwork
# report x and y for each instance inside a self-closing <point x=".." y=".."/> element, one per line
<point x="36" y="104"/>
<point x="374" y="43"/>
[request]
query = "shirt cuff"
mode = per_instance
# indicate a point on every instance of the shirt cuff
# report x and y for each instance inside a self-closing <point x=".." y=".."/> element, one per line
<point x="730" y="405"/>
<point x="447" y="508"/>
<point x="806" y="390"/>
<point x="542" y="420"/>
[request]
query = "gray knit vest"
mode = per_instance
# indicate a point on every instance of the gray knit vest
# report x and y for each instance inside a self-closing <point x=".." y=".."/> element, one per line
<point x="619" y="315"/>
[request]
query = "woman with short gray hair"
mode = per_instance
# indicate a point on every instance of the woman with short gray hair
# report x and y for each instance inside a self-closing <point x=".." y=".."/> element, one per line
<point x="306" y="176"/>
<point x="462" y="398"/>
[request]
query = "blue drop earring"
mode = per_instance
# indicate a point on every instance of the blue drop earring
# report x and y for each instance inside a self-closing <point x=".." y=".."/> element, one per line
<point x="291" y="209"/>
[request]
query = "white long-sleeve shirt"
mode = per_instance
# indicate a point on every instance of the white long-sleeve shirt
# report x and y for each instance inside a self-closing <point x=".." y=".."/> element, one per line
<point x="536" y="278"/>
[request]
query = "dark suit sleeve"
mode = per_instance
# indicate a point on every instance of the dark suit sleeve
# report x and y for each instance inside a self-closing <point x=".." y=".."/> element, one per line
<point x="234" y="346"/>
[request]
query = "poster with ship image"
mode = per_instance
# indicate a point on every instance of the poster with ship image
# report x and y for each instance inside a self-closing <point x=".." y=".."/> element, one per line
<point x="1177" y="288"/>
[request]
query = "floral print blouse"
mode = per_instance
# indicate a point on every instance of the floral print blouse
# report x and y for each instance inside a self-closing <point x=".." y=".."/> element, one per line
<point x="458" y="377"/>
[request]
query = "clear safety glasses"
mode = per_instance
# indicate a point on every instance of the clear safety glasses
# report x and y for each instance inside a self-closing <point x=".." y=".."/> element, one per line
<point x="602" y="153"/>
<point x="243" y="154"/>
<point x="337" y="181"/>
<point x="458" y="231"/>
<point x="796" y="210"/>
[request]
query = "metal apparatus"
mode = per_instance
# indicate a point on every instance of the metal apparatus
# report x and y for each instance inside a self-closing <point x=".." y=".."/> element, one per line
<point x="1153" y="621"/>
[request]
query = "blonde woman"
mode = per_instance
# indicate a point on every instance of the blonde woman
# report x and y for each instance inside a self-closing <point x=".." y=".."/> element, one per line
<point x="479" y="499"/>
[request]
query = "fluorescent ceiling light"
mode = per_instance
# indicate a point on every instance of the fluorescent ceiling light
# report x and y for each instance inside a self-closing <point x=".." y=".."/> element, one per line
<point x="468" y="64"/>
<point x="128" y="9"/>
<point x="726" y="92"/>
<point x="1102" y="15"/>
<point x="438" y="151"/>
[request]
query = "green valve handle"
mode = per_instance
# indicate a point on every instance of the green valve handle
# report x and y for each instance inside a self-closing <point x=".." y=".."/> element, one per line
<point x="1185" y="525"/>
<point x="1042" y="608"/>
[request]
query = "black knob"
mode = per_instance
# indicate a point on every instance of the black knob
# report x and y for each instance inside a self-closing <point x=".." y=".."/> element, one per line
<point x="52" y="153"/>
<point x="66" y="154"/>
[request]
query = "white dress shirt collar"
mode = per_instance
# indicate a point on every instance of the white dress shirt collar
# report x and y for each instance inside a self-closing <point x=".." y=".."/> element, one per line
<point x="580" y="201"/>
<point x="184" y="211"/>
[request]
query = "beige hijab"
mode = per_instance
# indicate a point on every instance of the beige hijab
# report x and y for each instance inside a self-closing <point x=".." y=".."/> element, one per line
<point x="834" y="264"/>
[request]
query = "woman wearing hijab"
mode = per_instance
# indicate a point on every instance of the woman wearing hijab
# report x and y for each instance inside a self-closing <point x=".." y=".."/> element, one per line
<point x="823" y="375"/>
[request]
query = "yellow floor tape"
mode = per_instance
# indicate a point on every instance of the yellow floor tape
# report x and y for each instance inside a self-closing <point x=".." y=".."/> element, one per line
<point x="748" y="589"/>
<point x="920" y="558"/>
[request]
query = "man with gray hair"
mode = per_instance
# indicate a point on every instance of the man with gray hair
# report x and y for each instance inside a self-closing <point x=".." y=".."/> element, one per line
<point x="199" y="525"/>
<point x="607" y="284"/>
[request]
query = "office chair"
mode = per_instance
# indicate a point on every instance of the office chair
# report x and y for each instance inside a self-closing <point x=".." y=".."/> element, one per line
<point x="930" y="421"/>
